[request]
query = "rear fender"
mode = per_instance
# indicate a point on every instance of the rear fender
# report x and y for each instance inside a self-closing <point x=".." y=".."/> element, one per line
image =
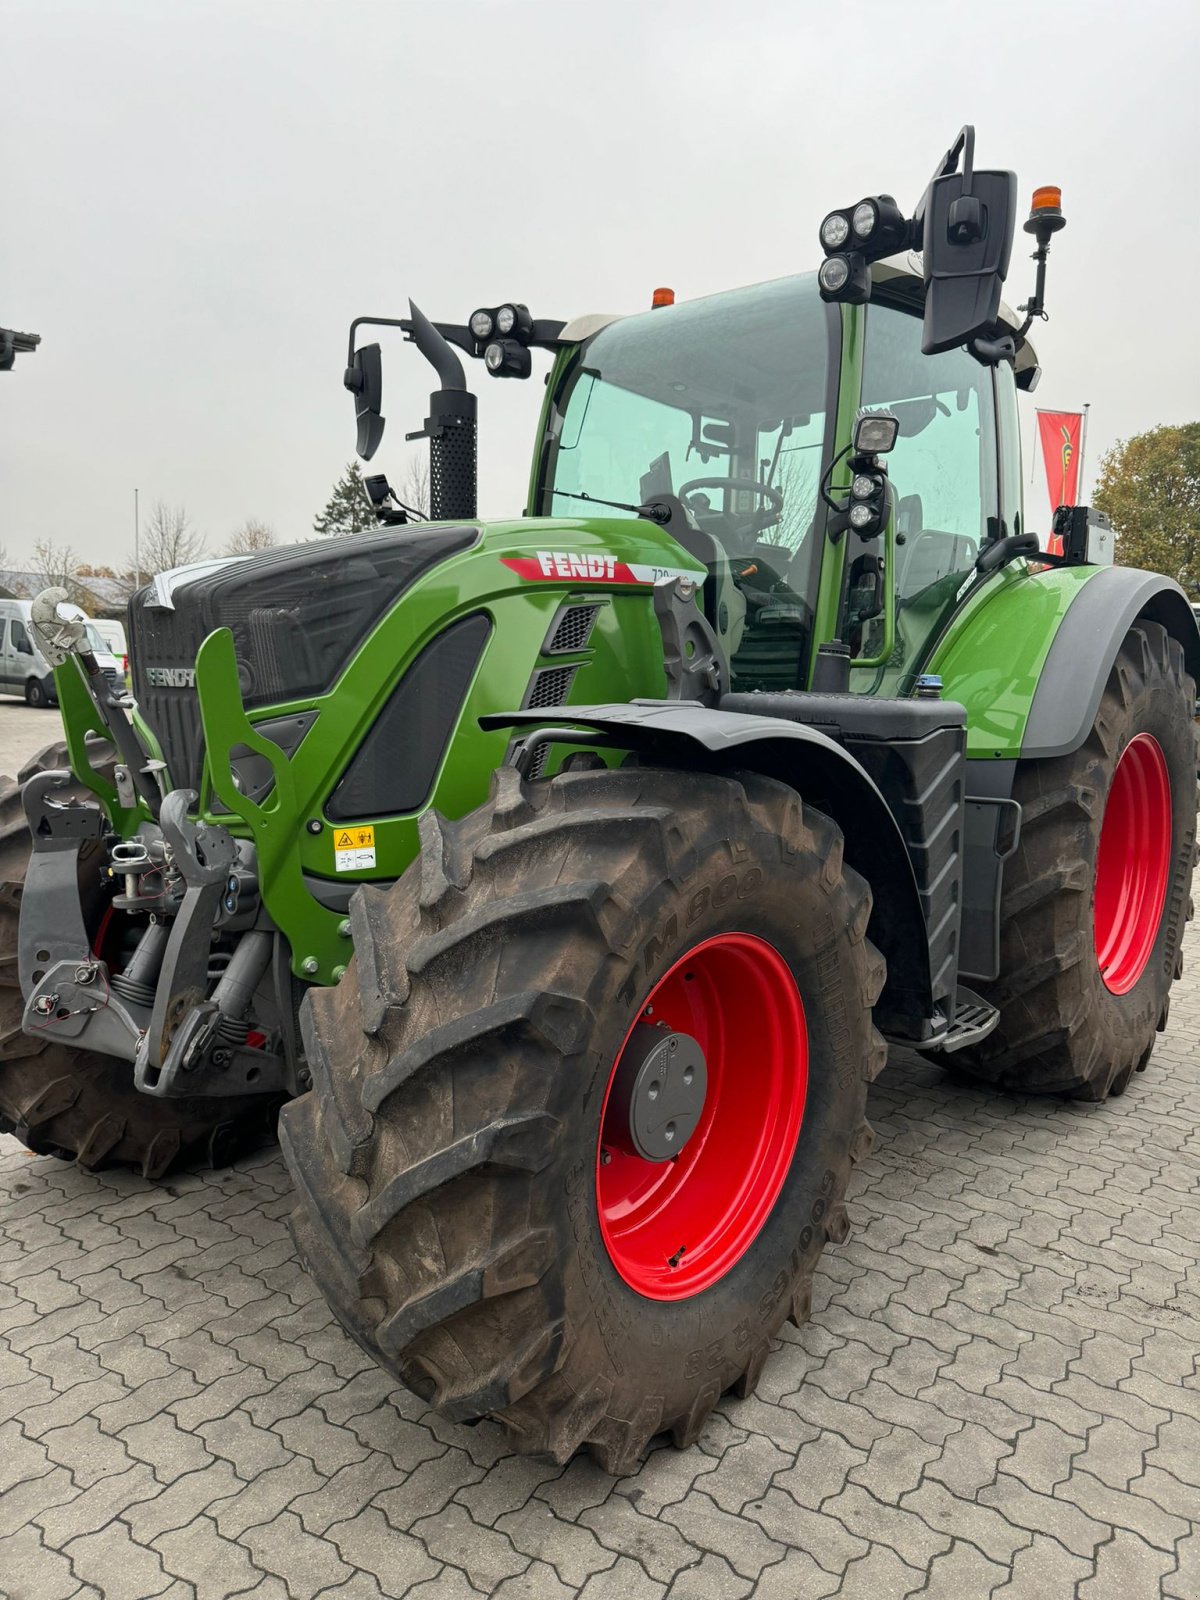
<point x="687" y="735"/>
<point x="1085" y="647"/>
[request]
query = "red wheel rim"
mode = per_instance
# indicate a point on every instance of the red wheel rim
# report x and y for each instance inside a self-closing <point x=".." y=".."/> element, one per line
<point x="1134" y="863"/>
<point x="673" y="1228"/>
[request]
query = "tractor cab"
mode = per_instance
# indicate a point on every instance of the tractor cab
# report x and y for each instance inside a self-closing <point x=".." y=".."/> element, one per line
<point x="725" y="412"/>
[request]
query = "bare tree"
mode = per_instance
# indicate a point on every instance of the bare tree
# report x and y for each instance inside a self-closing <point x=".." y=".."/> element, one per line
<point x="57" y="567"/>
<point x="169" y="539"/>
<point x="251" y="536"/>
<point x="414" y="485"/>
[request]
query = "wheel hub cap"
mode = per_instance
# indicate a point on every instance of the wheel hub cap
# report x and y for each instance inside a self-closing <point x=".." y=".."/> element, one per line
<point x="659" y="1091"/>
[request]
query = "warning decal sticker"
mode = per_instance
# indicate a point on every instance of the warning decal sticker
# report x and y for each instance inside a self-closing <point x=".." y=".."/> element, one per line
<point x="353" y="848"/>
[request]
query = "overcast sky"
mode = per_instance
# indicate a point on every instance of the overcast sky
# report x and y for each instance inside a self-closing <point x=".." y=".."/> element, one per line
<point x="197" y="198"/>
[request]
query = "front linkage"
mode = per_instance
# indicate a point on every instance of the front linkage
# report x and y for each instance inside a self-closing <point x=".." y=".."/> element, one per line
<point x="184" y="975"/>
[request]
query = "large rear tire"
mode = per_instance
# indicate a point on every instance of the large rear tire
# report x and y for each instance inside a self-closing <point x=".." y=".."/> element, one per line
<point x="467" y="1198"/>
<point x="76" y="1104"/>
<point x="1096" y="898"/>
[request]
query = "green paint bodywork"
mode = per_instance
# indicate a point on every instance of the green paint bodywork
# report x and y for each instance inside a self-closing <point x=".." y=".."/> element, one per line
<point x="992" y="656"/>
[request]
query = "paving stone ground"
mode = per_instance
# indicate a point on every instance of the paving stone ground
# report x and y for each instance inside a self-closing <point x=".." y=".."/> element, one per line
<point x="998" y="1393"/>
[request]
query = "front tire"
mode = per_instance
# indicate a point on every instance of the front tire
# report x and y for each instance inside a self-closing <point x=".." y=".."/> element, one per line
<point x="1096" y="898"/>
<point x="454" y="1200"/>
<point x="36" y="695"/>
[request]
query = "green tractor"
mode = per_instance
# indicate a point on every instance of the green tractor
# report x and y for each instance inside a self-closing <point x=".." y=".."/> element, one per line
<point x="565" y="878"/>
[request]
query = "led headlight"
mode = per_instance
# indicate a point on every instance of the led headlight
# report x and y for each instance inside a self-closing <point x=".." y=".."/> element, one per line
<point x="506" y="319"/>
<point x="481" y="324"/>
<point x="834" y="273"/>
<point x="864" y="487"/>
<point x="507" y="358"/>
<point x="835" y="230"/>
<point x="863" y="517"/>
<point x="864" y="219"/>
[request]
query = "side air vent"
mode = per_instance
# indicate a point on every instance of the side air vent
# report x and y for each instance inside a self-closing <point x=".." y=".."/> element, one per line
<point x="393" y="771"/>
<point x="549" y="687"/>
<point x="571" y="630"/>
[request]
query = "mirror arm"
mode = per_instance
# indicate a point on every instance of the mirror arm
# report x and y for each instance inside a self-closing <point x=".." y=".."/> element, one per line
<point x="370" y="322"/>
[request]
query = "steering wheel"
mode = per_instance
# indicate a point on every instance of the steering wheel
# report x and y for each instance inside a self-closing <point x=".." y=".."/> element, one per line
<point x="754" y="521"/>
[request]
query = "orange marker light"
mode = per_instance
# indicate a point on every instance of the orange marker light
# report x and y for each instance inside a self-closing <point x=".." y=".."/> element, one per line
<point x="662" y="297"/>
<point x="1048" y="198"/>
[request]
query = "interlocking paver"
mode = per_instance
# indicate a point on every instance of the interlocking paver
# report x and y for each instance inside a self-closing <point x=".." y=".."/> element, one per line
<point x="571" y="1549"/>
<point x="306" y="1563"/>
<point x="998" y="1392"/>
<point x="200" y="1555"/>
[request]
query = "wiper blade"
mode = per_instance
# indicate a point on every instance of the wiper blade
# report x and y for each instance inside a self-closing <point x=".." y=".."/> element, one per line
<point x="654" y="511"/>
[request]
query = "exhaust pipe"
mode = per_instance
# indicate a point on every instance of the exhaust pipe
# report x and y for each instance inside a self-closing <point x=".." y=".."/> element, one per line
<point x="450" y="427"/>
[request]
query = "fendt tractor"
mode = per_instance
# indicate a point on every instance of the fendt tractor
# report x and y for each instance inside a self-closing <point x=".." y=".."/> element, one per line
<point x="558" y="884"/>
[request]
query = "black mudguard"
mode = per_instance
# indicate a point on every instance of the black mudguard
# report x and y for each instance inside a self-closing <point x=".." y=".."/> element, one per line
<point x="686" y="734"/>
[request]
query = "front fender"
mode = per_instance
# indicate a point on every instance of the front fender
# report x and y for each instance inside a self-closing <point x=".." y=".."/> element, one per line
<point x="685" y="734"/>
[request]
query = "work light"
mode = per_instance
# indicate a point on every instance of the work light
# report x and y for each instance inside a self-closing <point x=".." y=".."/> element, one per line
<point x="863" y="517"/>
<point x="835" y="230"/>
<point x="834" y="273"/>
<point x="507" y="358"/>
<point x="864" y="486"/>
<point x="481" y="324"/>
<point x="865" y="217"/>
<point x="506" y="319"/>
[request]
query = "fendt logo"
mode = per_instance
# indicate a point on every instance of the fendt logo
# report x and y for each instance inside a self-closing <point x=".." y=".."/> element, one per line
<point x="586" y="567"/>
<point x="171" y="677"/>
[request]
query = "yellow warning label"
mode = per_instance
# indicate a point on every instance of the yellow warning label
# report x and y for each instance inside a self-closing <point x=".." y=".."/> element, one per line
<point x="354" y="839"/>
<point x="353" y="849"/>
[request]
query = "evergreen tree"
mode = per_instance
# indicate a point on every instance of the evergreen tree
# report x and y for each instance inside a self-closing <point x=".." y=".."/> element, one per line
<point x="348" y="509"/>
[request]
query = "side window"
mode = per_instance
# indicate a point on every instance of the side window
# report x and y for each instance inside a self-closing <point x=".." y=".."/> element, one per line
<point x="20" y="639"/>
<point x="943" y="468"/>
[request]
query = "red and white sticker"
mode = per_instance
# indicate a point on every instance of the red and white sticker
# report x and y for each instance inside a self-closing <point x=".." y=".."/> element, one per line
<point x="572" y="566"/>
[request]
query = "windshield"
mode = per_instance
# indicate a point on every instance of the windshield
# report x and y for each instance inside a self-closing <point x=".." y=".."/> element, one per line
<point x="95" y="643"/>
<point x="719" y="404"/>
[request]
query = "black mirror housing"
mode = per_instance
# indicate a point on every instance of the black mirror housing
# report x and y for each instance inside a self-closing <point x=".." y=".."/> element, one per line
<point x="364" y="379"/>
<point x="968" y="234"/>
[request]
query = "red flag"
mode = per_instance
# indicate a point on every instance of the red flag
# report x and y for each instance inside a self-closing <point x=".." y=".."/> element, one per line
<point x="1059" y="432"/>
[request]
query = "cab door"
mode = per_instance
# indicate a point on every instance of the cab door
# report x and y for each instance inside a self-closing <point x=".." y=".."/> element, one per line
<point x="943" y="472"/>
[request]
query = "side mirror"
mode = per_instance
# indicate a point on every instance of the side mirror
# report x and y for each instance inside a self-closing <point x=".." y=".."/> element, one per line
<point x="968" y="235"/>
<point x="364" y="379"/>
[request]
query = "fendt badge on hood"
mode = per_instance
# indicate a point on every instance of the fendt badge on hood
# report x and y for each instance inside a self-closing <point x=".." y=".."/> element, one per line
<point x="171" y="677"/>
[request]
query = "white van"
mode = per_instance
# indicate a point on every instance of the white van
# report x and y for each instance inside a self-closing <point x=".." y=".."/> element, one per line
<point x="113" y="634"/>
<point x="25" y="671"/>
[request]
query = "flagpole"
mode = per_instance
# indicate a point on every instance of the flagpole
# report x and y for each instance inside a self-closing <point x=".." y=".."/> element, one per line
<point x="1082" y="450"/>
